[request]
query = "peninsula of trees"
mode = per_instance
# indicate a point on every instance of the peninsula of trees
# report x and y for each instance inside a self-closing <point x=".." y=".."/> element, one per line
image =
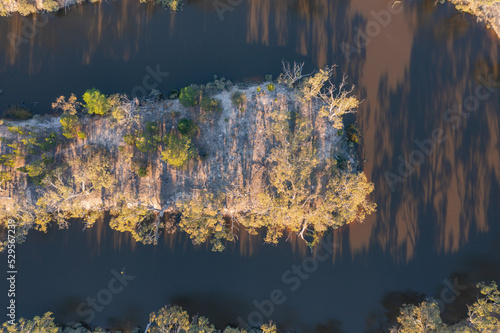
<point x="208" y="161"/>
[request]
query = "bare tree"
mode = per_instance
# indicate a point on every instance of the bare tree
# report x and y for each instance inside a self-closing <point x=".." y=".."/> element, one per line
<point x="291" y="75"/>
<point x="337" y="100"/>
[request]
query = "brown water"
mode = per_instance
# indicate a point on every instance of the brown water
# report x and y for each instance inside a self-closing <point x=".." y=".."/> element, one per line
<point x="419" y="62"/>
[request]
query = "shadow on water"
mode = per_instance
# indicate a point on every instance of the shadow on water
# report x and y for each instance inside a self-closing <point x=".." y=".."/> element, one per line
<point x="436" y="222"/>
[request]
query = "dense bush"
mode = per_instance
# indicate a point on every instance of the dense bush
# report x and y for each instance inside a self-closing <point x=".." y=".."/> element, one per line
<point x="96" y="102"/>
<point x="179" y="150"/>
<point x="187" y="127"/>
<point x="189" y="96"/>
<point x="140" y="167"/>
<point x="352" y="134"/>
<point x="51" y="5"/>
<point x="239" y="99"/>
<point x="17" y="112"/>
<point x="271" y="87"/>
<point x="210" y="104"/>
<point x="69" y="123"/>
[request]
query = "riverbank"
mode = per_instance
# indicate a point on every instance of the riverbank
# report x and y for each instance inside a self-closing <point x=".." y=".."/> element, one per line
<point x="27" y="7"/>
<point x="218" y="158"/>
<point x="417" y="316"/>
<point x="487" y="11"/>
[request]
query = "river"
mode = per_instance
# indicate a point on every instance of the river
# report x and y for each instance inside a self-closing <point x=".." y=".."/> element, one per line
<point x="435" y="166"/>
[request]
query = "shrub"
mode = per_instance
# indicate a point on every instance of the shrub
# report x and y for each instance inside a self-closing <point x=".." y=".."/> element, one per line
<point x="269" y="77"/>
<point x="187" y="127"/>
<point x="352" y="134"/>
<point x="81" y="135"/>
<point x="179" y="150"/>
<point x="210" y="104"/>
<point x="129" y="139"/>
<point x="151" y="127"/>
<point x="96" y="102"/>
<point x="8" y="160"/>
<point x="69" y="123"/>
<point x="174" y="94"/>
<point x="16" y="129"/>
<point x="49" y="142"/>
<point x="189" y="96"/>
<point x="270" y="87"/>
<point x="140" y="167"/>
<point x="50" y="5"/>
<point x="238" y="98"/>
<point x="17" y="112"/>
<point x="340" y="132"/>
<point x="25" y="7"/>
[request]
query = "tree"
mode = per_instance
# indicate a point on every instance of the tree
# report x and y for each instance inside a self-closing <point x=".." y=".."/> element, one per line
<point x="484" y="315"/>
<point x="43" y="324"/>
<point x="179" y="150"/>
<point x="173" y="319"/>
<point x="423" y="318"/>
<point x="96" y="102"/>
<point x="203" y="218"/>
<point x="189" y="96"/>
<point x="69" y="118"/>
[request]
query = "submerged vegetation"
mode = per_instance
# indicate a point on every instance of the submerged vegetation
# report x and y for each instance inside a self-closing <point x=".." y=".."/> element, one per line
<point x="220" y="159"/>
<point x="483" y="316"/>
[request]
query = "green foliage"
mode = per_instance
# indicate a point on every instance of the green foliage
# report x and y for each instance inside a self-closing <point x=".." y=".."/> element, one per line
<point x="17" y="112"/>
<point x="271" y="87"/>
<point x="210" y="104"/>
<point x="5" y="177"/>
<point x="92" y="169"/>
<point x="140" y="167"/>
<point x="8" y="160"/>
<point x="129" y="139"/>
<point x="69" y="123"/>
<point x="115" y="103"/>
<point x="169" y="319"/>
<point x="239" y="99"/>
<point x="202" y="219"/>
<point x="147" y="142"/>
<point x="216" y="86"/>
<point x="96" y="102"/>
<point x="189" y="96"/>
<point x="81" y="135"/>
<point x="175" y="319"/>
<point x="26" y="7"/>
<point x="422" y="318"/>
<point x="187" y="127"/>
<point x="49" y="142"/>
<point x="151" y="127"/>
<point x="484" y="315"/>
<point x="50" y="5"/>
<point x="16" y="129"/>
<point x="133" y="220"/>
<point x="38" y="168"/>
<point x="352" y="133"/>
<point x="43" y="324"/>
<point x="179" y="150"/>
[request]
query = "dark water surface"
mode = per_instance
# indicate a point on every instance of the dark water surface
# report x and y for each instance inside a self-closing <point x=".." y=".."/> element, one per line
<point x="437" y="220"/>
